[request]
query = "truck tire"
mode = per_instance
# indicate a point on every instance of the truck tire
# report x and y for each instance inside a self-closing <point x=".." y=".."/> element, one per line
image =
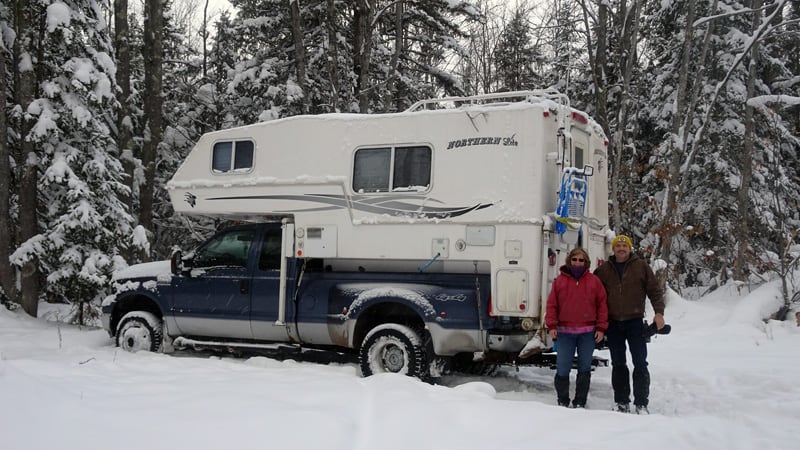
<point x="393" y="348"/>
<point x="139" y="330"/>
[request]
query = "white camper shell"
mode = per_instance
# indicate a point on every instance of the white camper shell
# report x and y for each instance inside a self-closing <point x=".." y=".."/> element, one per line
<point x="453" y="185"/>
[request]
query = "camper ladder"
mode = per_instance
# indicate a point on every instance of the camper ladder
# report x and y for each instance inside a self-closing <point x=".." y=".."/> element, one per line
<point x="571" y="199"/>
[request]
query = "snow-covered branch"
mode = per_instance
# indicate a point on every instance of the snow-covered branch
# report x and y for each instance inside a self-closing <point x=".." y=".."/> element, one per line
<point x="764" y="100"/>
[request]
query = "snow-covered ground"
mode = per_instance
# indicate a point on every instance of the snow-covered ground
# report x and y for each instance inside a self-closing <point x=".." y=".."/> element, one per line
<point x="722" y="380"/>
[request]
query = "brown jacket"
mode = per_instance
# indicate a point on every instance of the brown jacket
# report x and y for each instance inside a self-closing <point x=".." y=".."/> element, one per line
<point x="626" y="295"/>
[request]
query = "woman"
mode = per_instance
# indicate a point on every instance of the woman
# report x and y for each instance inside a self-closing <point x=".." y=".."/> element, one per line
<point x="577" y="316"/>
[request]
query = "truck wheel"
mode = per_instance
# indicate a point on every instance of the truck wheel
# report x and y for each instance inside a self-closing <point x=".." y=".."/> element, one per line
<point x="139" y="330"/>
<point x="393" y="348"/>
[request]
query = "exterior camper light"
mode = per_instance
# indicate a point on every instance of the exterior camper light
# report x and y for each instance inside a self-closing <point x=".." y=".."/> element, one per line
<point x="580" y="118"/>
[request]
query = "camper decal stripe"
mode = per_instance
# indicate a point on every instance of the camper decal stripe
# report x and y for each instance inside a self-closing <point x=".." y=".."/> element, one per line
<point x="368" y="204"/>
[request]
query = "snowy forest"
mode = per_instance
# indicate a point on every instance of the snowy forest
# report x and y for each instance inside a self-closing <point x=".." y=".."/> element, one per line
<point x="102" y="100"/>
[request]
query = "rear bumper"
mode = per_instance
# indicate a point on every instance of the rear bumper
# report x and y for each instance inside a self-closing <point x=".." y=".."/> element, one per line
<point x="447" y="341"/>
<point x="508" y="343"/>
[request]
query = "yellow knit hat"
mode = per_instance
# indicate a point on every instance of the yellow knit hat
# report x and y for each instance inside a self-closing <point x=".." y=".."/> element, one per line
<point x="622" y="238"/>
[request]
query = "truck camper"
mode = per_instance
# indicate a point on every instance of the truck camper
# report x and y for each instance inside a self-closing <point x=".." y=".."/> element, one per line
<point x="410" y="238"/>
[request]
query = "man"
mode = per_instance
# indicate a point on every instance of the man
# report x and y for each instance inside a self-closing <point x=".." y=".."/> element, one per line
<point x="628" y="279"/>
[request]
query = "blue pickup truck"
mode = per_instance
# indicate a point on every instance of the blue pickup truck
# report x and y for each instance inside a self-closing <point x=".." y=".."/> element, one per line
<point x="239" y="290"/>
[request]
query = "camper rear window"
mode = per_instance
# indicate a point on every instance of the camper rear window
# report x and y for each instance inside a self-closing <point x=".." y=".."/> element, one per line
<point x="232" y="156"/>
<point x="392" y="169"/>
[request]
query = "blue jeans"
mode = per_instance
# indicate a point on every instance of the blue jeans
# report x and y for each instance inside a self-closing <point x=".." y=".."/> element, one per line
<point x="565" y="350"/>
<point x="632" y="333"/>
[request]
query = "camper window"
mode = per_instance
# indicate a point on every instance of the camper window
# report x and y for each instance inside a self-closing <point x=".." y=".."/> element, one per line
<point x="578" y="157"/>
<point x="232" y="156"/>
<point x="371" y="170"/>
<point x="396" y="169"/>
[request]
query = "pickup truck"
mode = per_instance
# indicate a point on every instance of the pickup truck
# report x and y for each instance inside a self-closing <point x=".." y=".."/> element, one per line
<point x="241" y="288"/>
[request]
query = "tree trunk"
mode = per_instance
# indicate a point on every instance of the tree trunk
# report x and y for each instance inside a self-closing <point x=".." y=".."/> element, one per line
<point x="153" y="58"/>
<point x="362" y="50"/>
<point x="204" y="39"/>
<point x="626" y="62"/>
<point x="333" y="55"/>
<point x="27" y="159"/>
<point x="673" y="182"/>
<point x="597" y="61"/>
<point x="398" y="50"/>
<point x="745" y="161"/>
<point x="124" y="123"/>
<point x="7" y="271"/>
<point x="299" y="50"/>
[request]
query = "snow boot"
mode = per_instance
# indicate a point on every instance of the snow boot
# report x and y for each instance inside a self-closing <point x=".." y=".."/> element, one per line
<point x="642" y="409"/>
<point x="562" y="390"/>
<point x="641" y="386"/>
<point x="581" y="389"/>
<point x="623" y="407"/>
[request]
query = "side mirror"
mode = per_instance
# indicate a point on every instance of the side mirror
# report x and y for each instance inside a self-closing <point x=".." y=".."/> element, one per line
<point x="176" y="262"/>
<point x="588" y="170"/>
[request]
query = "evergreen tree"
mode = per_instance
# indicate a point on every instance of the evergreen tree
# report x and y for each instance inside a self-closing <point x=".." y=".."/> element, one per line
<point x="387" y="55"/>
<point x="516" y="55"/>
<point x="184" y="121"/>
<point x="85" y="224"/>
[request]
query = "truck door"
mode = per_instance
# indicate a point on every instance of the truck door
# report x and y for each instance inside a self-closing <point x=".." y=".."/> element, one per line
<point x="266" y="286"/>
<point x="215" y="299"/>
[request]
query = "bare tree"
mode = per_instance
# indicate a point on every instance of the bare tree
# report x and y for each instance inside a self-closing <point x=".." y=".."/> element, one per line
<point x="299" y="50"/>
<point x="398" y="50"/>
<point x="668" y="228"/>
<point x="28" y="28"/>
<point x="333" y="54"/>
<point x="745" y="162"/>
<point x="204" y="37"/>
<point x="623" y="64"/>
<point x="153" y="61"/>
<point x="362" y="51"/>
<point x="7" y="271"/>
<point x="124" y="122"/>
<point x="477" y="68"/>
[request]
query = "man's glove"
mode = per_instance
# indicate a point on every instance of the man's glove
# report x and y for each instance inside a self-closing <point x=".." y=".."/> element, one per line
<point x="651" y="329"/>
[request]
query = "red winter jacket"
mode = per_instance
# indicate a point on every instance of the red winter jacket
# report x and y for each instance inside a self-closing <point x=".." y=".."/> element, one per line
<point x="576" y="303"/>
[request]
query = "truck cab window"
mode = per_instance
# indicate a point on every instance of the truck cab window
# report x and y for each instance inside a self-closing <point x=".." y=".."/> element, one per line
<point x="229" y="249"/>
<point x="271" y="251"/>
